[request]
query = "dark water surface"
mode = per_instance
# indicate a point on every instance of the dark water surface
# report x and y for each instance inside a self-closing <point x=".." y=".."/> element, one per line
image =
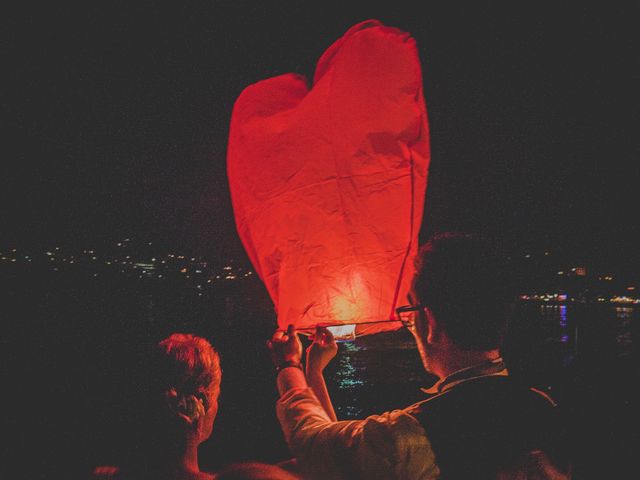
<point x="71" y="351"/>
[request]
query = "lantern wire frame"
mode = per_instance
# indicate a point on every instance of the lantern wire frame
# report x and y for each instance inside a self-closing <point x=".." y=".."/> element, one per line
<point x="405" y="318"/>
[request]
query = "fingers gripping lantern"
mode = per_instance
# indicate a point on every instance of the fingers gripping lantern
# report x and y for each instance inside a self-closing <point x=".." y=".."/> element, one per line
<point x="328" y="182"/>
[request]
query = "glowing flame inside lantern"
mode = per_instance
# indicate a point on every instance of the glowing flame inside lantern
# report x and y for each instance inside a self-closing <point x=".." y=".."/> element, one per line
<point x="345" y="306"/>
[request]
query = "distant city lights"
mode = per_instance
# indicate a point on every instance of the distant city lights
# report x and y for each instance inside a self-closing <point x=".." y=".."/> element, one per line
<point x="568" y="284"/>
<point x="625" y="299"/>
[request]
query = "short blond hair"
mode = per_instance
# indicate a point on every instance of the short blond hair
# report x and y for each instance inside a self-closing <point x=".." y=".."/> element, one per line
<point x="189" y="363"/>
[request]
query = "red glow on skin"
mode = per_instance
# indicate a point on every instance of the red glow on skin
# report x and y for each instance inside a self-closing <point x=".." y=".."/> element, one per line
<point x="328" y="181"/>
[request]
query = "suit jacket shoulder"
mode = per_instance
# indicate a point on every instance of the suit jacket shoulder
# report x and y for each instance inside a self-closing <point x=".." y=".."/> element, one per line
<point x="481" y="424"/>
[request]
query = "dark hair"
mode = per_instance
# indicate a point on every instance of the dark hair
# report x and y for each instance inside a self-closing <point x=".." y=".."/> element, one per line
<point x="463" y="280"/>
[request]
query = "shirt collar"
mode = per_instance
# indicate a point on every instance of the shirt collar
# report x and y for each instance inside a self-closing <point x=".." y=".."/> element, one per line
<point x="487" y="368"/>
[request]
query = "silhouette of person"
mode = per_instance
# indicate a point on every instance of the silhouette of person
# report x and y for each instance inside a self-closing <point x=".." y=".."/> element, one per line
<point x="182" y="395"/>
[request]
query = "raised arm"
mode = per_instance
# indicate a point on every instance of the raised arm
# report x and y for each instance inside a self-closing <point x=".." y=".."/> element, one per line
<point x="391" y="445"/>
<point x="319" y="354"/>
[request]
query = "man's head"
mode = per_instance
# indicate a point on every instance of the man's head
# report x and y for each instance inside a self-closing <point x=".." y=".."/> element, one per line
<point x="461" y="284"/>
<point x="188" y="375"/>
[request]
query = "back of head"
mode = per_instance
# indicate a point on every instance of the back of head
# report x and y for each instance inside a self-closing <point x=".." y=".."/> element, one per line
<point x="462" y="279"/>
<point x="254" y="471"/>
<point x="174" y="403"/>
<point x="185" y="384"/>
<point x="188" y="363"/>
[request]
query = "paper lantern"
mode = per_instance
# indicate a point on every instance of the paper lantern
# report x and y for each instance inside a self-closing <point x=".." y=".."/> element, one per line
<point x="328" y="182"/>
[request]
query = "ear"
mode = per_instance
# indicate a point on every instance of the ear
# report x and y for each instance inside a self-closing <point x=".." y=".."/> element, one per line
<point x="190" y="409"/>
<point x="187" y="407"/>
<point x="433" y="330"/>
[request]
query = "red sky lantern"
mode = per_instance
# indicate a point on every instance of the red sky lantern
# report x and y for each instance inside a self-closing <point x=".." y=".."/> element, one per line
<point x="328" y="182"/>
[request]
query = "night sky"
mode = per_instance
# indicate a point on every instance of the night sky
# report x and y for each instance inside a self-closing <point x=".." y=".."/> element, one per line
<point x="118" y="116"/>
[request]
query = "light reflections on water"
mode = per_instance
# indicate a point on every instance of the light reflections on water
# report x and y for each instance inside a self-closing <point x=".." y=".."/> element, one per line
<point x="623" y="329"/>
<point x="375" y="373"/>
<point x="347" y="376"/>
<point x="564" y="337"/>
<point x="559" y="324"/>
<point x="563" y="315"/>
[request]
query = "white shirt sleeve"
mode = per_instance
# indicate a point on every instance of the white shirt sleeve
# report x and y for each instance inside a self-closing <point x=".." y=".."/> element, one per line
<point x="388" y="446"/>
